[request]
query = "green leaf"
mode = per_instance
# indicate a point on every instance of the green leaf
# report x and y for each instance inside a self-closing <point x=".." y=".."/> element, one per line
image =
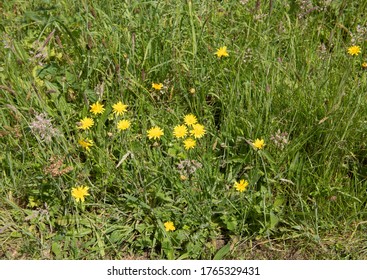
<point x="184" y="256"/>
<point x="230" y="222"/>
<point x="56" y="250"/>
<point x="222" y="252"/>
<point x="274" y="220"/>
<point x="167" y="248"/>
<point x="117" y="236"/>
<point x="268" y="157"/>
<point x="16" y="234"/>
<point x="134" y="199"/>
<point x="279" y="201"/>
<point x="172" y="152"/>
<point x="100" y="244"/>
<point x="80" y="233"/>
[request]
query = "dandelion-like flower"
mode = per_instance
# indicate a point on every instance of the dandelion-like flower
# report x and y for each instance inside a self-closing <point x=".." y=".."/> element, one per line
<point x="157" y="86"/>
<point x="86" y="143"/>
<point x="354" y="50"/>
<point x="79" y="193"/>
<point x="241" y="186"/>
<point x="197" y="131"/>
<point x="169" y="226"/>
<point x="192" y="90"/>
<point x="190" y="119"/>
<point x="189" y="143"/>
<point x="180" y="131"/>
<point x="222" y="51"/>
<point x="364" y="65"/>
<point x="123" y="124"/>
<point x="259" y="144"/>
<point x="155" y="132"/>
<point x="119" y="108"/>
<point x="86" y="123"/>
<point x="97" y="108"/>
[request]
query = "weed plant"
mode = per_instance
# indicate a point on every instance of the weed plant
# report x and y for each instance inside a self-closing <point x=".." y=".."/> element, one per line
<point x="183" y="129"/>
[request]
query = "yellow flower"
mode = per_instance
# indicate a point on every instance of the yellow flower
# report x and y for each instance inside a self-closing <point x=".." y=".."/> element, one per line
<point x="259" y="144"/>
<point x="123" y="124"/>
<point x="180" y="131"/>
<point x="119" y="108"/>
<point x="197" y="131"/>
<point x="354" y="50"/>
<point x="79" y="193"/>
<point x="222" y="51"/>
<point x="192" y="90"/>
<point x="97" y="108"/>
<point x="189" y="143"/>
<point x="86" y="123"/>
<point x="169" y="226"/>
<point x="241" y="186"/>
<point x="190" y="119"/>
<point x="155" y="132"/>
<point x="157" y="86"/>
<point x="364" y="65"/>
<point x="183" y="177"/>
<point x="86" y="143"/>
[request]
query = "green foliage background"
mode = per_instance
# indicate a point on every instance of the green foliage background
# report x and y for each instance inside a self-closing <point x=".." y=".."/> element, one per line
<point x="288" y="69"/>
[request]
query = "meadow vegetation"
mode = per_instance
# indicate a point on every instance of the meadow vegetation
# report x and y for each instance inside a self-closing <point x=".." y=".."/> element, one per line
<point x="183" y="129"/>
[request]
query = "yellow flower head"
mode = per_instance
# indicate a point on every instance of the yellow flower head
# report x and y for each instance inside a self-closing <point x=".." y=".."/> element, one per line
<point x="86" y="144"/>
<point x="190" y="119"/>
<point x="86" y="123"/>
<point x="192" y="90"/>
<point x="259" y="144"/>
<point x="119" y="108"/>
<point x="189" y="143"/>
<point x="222" y="51"/>
<point x="79" y="193"/>
<point x="169" y="226"/>
<point x="157" y="86"/>
<point x="180" y="131"/>
<point x="97" y="108"/>
<point x="197" y="131"/>
<point x="155" y="132"/>
<point x="354" y="50"/>
<point x="364" y="65"/>
<point x="241" y="186"/>
<point x="123" y="124"/>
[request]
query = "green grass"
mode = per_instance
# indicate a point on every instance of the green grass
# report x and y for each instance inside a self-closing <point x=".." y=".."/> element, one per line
<point x="288" y="73"/>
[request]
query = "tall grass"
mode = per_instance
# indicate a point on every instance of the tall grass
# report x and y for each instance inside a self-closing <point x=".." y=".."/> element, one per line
<point x="288" y="80"/>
